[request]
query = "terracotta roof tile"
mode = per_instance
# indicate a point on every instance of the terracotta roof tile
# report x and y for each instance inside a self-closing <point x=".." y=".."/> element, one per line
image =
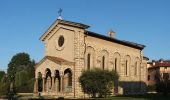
<point x="58" y="60"/>
<point x="55" y="60"/>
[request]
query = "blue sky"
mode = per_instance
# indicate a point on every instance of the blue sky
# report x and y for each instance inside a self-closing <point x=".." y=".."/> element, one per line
<point x="22" y="22"/>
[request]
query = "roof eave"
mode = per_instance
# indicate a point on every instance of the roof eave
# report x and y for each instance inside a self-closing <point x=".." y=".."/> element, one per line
<point x="73" y="24"/>
<point x="42" y="38"/>
<point x="63" y="22"/>
<point x="135" y="45"/>
<point x="146" y="58"/>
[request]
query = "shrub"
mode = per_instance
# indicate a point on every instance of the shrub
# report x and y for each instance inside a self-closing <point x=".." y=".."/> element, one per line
<point x="163" y="87"/>
<point x="97" y="81"/>
<point x="151" y="88"/>
<point x="4" y="86"/>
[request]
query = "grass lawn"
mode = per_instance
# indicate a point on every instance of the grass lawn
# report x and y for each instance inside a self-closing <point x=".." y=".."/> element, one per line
<point x="132" y="97"/>
<point x="141" y="97"/>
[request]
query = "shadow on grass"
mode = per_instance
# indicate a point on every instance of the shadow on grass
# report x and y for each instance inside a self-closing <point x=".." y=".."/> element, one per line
<point x="150" y="96"/>
<point x="129" y="97"/>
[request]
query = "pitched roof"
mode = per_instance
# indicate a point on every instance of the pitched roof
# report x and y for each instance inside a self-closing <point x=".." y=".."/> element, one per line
<point x="157" y="64"/>
<point x="58" y="60"/>
<point x="74" y="24"/>
<point x="83" y="26"/>
<point x="55" y="60"/>
<point x="123" y="42"/>
<point x="63" y="22"/>
<point x="145" y="58"/>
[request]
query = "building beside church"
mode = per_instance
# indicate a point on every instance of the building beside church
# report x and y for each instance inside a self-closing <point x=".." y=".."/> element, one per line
<point x="158" y="71"/>
<point x="70" y="48"/>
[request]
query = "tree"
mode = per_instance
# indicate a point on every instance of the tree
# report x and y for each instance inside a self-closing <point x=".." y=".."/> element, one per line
<point x="4" y="85"/>
<point x="2" y="73"/>
<point x="21" y="67"/>
<point x="16" y="62"/>
<point x="162" y="83"/>
<point x="97" y="81"/>
<point x="21" y="78"/>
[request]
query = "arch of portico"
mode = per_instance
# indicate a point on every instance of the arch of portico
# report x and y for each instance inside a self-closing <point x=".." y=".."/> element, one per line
<point x="60" y="81"/>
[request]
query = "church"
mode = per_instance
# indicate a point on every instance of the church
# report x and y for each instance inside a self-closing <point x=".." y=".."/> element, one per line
<point x="70" y="48"/>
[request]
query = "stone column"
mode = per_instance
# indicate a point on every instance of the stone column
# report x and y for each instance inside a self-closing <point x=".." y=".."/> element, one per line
<point x="61" y="80"/>
<point x="57" y="85"/>
<point x="53" y="83"/>
<point x="64" y="82"/>
<point x="43" y="85"/>
<point x="36" y="85"/>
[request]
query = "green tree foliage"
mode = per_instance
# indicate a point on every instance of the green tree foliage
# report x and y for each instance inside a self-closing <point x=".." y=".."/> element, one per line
<point x="22" y="68"/>
<point x="2" y="73"/>
<point x="162" y="86"/>
<point x="4" y="85"/>
<point x="18" y="62"/>
<point x="97" y="81"/>
<point x="21" y="78"/>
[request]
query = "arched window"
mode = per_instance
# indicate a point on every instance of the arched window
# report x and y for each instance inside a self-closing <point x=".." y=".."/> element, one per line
<point x="89" y="58"/>
<point x="126" y="67"/>
<point x="136" y="66"/>
<point x="104" y="59"/>
<point x="88" y="61"/>
<point x="127" y="64"/>
<point x="103" y="62"/>
<point x="115" y="64"/>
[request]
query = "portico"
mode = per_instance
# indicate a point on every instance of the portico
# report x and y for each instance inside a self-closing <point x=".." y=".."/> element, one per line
<point x="54" y="76"/>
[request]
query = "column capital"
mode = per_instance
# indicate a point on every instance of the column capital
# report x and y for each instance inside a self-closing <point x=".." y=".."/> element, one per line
<point x="36" y="76"/>
<point x="61" y="74"/>
<point x="52" y="73"/>
<point x="43" y="75"/>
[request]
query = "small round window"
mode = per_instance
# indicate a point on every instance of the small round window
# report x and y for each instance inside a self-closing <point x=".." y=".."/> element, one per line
<point x="61" y="41"/>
